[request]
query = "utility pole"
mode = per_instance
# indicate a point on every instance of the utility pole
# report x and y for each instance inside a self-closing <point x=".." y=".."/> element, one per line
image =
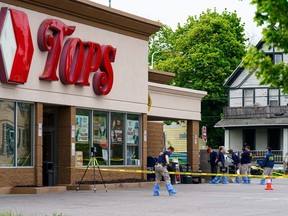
<point x="110" y="3"/>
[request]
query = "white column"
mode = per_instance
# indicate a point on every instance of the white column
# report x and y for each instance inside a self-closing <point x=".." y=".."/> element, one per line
<point x="227" y="139"/>
<point x="285" y="141"/>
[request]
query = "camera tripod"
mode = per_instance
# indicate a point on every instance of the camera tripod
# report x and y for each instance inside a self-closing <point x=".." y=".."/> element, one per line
<point x="93" y="162"/>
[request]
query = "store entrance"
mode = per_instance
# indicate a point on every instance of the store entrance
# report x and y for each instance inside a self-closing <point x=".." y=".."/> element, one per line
<point x="49" y="145"/>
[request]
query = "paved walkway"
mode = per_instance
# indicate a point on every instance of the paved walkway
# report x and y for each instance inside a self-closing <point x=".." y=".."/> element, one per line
<point x="191" y="199"/>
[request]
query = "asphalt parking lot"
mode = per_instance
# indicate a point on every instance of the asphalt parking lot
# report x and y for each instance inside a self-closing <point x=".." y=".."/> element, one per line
<point x="191" y="199"/>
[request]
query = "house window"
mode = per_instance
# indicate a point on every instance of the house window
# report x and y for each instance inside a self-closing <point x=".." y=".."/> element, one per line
<point x="183" y="136"/>
<point x="261" y="97"/>
<point x="273" y="97"/>
<point x="248" y="99"/>
<point x="276" y="58"/>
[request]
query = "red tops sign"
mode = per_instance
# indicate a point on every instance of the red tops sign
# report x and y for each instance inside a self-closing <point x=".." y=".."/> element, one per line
<point x="76" y="58"/>
<point x="16" y="46"/>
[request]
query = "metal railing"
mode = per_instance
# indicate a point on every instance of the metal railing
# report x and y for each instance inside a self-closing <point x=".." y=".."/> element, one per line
<point x="260" y="154"/>
<point x="256" y="154"/>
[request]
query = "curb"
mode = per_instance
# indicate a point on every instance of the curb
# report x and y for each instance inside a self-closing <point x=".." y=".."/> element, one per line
<point x="112" y="185"/>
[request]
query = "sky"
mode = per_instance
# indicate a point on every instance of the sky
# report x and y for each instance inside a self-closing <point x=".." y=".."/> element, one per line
<point x="172" y="12"/>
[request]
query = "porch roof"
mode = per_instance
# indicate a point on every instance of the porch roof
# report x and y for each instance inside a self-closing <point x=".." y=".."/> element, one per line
<point x="252" y="122"/>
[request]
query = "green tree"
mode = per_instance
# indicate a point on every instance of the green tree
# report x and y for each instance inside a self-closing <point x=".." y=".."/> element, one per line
<point x="202" y="53"/>
<point x="272" y="14"/>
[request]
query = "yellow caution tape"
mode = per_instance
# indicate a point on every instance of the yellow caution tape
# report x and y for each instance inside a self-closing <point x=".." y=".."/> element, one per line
<point x="276" y="173"/>
<point x="197" y="174"/>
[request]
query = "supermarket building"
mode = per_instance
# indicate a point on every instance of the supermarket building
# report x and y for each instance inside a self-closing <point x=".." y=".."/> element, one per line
<point x="74" y="75"/>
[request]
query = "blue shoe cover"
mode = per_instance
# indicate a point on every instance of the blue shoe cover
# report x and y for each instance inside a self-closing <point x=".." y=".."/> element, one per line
<point x="170" y="189"/>
<point x="156" y="190"/>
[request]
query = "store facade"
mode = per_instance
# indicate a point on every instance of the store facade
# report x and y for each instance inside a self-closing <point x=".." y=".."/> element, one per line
<point x="73" y="76"/>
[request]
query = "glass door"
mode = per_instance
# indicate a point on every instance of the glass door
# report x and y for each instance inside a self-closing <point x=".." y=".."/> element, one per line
<point x="49" y="146"/>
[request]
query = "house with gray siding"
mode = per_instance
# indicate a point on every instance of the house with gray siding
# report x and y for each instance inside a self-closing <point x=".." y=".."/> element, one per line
<point x="257" y="115"/>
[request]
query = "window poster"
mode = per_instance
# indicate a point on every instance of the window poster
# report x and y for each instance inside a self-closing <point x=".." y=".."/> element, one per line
<point x="100" y="131"/>
<point x="133" y="131"/>
<point x="82" y="128"/>
<point x="117" y="130"/>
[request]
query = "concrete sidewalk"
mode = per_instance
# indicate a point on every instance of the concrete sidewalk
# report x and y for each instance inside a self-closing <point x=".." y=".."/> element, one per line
<point x="191" y="199"/>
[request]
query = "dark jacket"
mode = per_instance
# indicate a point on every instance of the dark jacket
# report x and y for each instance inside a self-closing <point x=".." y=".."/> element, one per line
<point x="221" y="158"/>
<point x="268" y="160"/>
<point x="235" y="158"/>
<point x="161" y="158"/>
<point x="246" y="157"/>
<point x="213" y="158"/>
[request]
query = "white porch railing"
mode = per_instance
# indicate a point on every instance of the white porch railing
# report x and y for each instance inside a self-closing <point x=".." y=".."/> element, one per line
<point x="260" y="154"/>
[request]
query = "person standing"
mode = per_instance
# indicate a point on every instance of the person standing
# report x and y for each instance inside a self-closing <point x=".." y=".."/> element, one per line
<point x="161" y="171"/>
<point x="236" y="162"/>
<point x="268" y="164"/>
<point x="221" y="164"/>
<point x="245" y="161"/>
<point x="213" y="162"/>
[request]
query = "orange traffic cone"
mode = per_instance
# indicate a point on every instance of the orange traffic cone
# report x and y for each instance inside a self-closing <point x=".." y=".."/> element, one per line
<point x="269" y="184"/>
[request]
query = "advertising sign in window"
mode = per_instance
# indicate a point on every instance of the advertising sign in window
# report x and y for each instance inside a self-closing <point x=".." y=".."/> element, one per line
<point x="82" y="128"/>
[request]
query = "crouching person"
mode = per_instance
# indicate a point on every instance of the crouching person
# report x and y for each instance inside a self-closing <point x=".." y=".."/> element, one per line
<point x="161" y="171"/>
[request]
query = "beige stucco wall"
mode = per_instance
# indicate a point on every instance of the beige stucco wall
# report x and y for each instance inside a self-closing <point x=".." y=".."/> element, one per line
<point x="175" y="102"/>
<point x="130" y="88"/>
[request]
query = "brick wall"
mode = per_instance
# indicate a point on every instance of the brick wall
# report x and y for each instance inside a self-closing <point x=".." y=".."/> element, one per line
<point x="17" y="177"/>
<point x="193" y="144"/>
<point x="144" y="144"/>
<point x="38" y="144"/>
<point x="155" y="138"/>
<point x="65" y="160"/>
<point x="107" y="176"/>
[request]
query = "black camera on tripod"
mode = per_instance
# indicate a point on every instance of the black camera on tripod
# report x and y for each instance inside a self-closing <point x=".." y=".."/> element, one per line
<point x="93" y="151"/>
<point x="92" y="162"/>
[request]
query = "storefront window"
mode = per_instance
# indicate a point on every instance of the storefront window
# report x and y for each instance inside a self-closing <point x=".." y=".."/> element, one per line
<point x="23" y="130"/>
<point x="7" y="133"/>
<point x="117" y="139"/>
<point x="100" y="137"/>
<point x="82" y="137"/>
<point x="115" y="136"/>
<point x="24" y="147"/>
<point x="133" y="137"/>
